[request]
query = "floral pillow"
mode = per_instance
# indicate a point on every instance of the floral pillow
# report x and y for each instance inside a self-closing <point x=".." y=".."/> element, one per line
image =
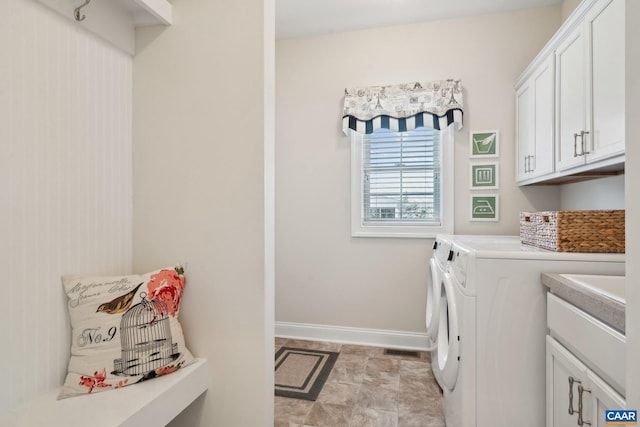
<point x="125" y="330"/>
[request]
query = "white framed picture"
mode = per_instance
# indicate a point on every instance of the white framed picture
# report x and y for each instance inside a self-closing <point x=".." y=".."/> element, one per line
<point x="484" y="143"/>
<point x="485" y="207"/>
<point x="484" y="176"/>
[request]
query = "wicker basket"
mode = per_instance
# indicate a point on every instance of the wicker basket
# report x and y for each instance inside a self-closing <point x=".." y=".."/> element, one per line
<point x="581" y="231"/>
<point x="528" y="228"/>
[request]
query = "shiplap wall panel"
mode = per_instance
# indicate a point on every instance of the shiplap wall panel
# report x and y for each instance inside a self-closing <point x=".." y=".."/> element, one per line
<point x="65" y="183"/>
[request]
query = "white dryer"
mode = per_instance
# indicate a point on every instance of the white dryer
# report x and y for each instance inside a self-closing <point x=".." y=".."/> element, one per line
<point x="453" y="358"/>
<point x="438" y="266"/>
<point x="492" y="328"/>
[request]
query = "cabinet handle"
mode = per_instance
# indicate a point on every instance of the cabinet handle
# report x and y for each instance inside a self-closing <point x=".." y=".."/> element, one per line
<point x="584" y="146"/>
<point x="581" y="421"/>
<point x="571" y="381"/>
<point x="575" y="144"/>
<point x="531" y="169"/>
<point x="527" y="163"/>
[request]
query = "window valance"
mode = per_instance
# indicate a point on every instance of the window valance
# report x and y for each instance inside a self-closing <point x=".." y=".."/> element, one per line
<point x="404" y="107"/>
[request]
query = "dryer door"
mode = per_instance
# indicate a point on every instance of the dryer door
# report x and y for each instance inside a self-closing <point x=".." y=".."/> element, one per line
<point x="433" y="302"/>
<point x="448" y="351"/>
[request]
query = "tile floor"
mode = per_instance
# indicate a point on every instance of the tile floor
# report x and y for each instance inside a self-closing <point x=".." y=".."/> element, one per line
<point x="366" y="388"/>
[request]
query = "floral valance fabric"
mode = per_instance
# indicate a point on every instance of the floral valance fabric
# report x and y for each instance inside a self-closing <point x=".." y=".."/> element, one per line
<point x="404" y="107"/>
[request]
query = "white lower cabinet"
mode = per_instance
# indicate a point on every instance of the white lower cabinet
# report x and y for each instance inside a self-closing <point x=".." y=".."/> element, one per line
<point x="576" y="396"/>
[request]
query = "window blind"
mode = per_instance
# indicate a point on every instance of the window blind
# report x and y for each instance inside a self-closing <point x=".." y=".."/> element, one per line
<point x="401" y="177"/>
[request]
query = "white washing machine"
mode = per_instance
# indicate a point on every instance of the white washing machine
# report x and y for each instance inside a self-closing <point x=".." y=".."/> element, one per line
<point x="492" y="326"/>
<point x="438" y="267"/>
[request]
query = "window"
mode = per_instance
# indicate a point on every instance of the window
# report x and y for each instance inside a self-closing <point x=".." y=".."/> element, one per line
<point x="400" y="183"/>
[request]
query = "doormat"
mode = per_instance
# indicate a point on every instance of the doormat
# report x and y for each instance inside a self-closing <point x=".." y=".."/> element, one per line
<point x="301" y="373"/>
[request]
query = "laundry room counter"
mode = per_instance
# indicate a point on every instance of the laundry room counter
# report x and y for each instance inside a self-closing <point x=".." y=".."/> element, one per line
<point x="600" y="296"/>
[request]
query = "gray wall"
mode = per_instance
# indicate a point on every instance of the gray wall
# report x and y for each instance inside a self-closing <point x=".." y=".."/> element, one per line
<point x="632" y="153"/>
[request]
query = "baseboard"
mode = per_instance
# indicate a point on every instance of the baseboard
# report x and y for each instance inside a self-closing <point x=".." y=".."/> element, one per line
<point x="360" y="336"/>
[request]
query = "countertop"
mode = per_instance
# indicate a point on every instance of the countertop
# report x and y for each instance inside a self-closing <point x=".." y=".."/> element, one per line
<point x="602" y="308"/>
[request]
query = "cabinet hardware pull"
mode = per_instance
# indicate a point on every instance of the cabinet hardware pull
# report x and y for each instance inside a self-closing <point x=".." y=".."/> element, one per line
<point x="575" y="144"/>
<point x="571" y="381"/>
<point x="584" y="146"/>
<point x="581" y="421"/>
<point x="532" y="168"/>
<point x="526" y="164"/>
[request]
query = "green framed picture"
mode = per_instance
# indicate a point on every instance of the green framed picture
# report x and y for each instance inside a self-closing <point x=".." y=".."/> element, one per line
<point x="485" y="207"/>
<point x="484" y="176"/>
<point x="484" y="143"/>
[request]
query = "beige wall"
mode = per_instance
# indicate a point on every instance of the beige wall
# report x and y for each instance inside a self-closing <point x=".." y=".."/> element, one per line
<point x="65" y="184"/>
<point x="323" y="276"/>
<point x="567" y="7"/>
<point x="603" y="193"/>
<point x="199" y="194"/>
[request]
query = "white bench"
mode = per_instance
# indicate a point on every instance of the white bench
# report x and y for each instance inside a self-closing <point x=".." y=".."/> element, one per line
<point x="151" y="403"/>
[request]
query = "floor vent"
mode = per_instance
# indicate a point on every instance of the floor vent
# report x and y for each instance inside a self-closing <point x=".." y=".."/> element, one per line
<point x="396" y="352"/>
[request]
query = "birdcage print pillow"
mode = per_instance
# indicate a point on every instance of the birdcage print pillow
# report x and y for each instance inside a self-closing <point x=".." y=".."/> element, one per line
<point x="125" y="329"/>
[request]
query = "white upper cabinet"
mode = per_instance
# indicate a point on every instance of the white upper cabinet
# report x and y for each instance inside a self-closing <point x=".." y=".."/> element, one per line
<point x="571" y="106"/>
<point x="584" y="66"/>
<point x="605" y="28"/>
<point x="590" y="80"/>
<point x="534" y="122"/>
<point x="524" y="128"/>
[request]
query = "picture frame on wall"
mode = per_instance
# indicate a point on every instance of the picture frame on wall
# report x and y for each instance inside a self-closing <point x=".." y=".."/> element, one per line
<point x="485" y="207"/>
<point x="484" y="143"/>
<point x="484" y="176"/>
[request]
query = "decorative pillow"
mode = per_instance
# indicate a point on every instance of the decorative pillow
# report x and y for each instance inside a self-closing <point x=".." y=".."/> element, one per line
<point x="125" y="330"/>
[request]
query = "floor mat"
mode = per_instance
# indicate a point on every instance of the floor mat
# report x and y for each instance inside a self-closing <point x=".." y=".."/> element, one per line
<point x="301" y="373"/>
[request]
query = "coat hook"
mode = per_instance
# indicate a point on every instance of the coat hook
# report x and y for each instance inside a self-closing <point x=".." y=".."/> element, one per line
<point x="77" y="11"/>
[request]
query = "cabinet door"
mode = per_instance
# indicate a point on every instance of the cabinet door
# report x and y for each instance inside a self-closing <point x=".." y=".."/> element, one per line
<point x="542" y="160"/>
<point x="525" y="128"/>
<point x="570" y="99"/>
<point x="602" y="398"/>
<point x="534" y="123"/>
<point x="605" y="26"/>
<point x="564" y="374"/>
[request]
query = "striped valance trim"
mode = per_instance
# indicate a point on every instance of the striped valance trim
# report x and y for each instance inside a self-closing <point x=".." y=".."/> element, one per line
<point x="427" y="120"/>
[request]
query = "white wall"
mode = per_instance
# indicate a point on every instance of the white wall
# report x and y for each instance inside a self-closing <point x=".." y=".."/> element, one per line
<point x="65" y="183"/>
<point x="632" y="167"/>
<point x="323" y="276"/>
<point x="602" y="193"/>
<point x="199" y="132"/>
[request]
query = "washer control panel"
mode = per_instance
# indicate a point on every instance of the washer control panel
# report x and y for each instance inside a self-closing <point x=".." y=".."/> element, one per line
<point x="458" y="258"/>
<point x="441" y="252"/>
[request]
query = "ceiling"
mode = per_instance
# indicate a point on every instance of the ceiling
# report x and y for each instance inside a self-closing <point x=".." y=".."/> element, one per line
<point x="301" y="18"/>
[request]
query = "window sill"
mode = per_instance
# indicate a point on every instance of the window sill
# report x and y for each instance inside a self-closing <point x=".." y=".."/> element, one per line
<point x="398" y="232"/>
